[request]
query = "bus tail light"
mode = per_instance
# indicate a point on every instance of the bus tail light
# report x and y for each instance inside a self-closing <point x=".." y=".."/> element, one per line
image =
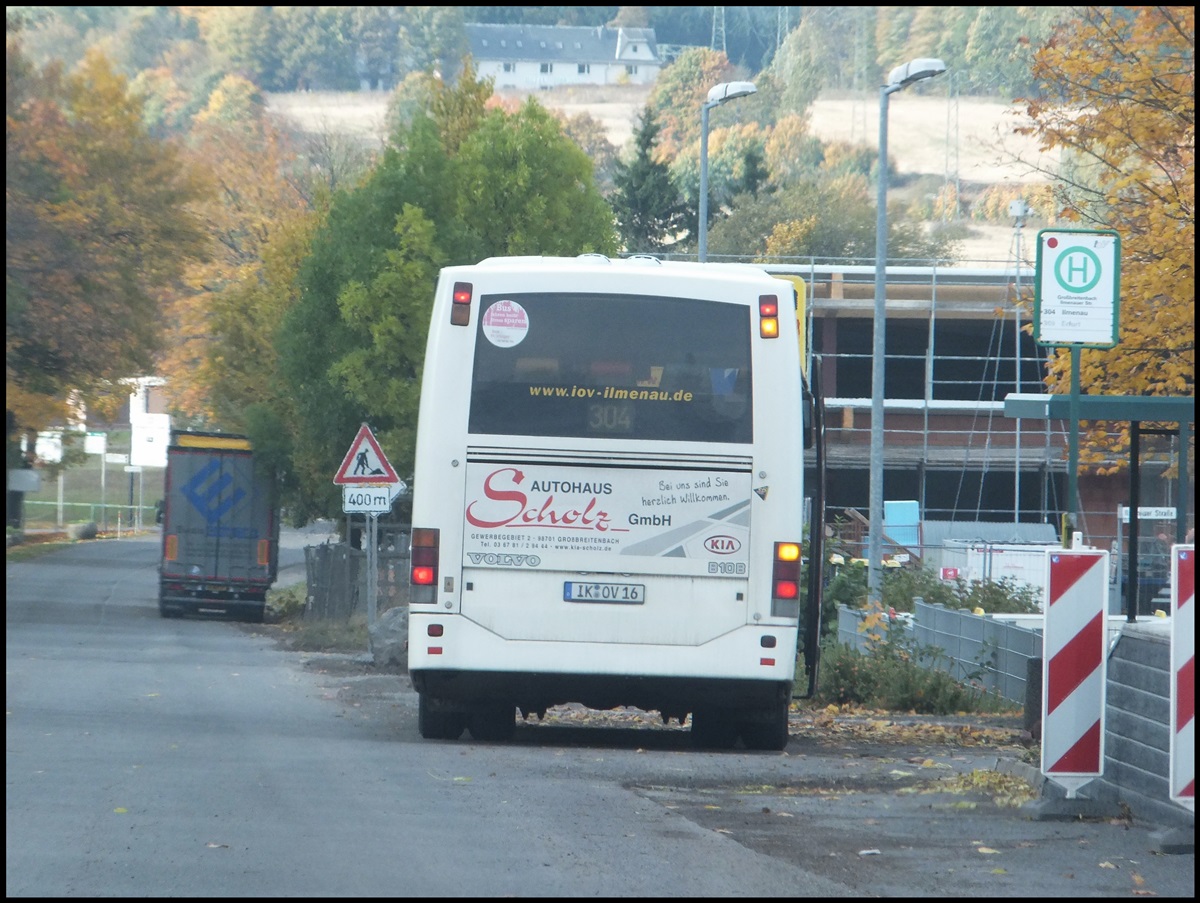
<point x="460" y="310"/>
<point x="424" y="564"/>
<point x="768" y="316"/>
<point x="785" y="580"/>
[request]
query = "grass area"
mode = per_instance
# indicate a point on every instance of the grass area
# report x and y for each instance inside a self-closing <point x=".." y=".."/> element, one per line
<point x="286" y="606"/>
<point x="34" y="545"/>
<point x="93" y="487"/>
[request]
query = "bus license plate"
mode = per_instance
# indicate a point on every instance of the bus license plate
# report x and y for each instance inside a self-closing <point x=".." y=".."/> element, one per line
<point x="620" y="593"/>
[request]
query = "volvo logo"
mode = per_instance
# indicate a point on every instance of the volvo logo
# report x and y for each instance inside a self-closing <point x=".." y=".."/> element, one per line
<point x="722" y="545"/>
<point x="504" y="561"/>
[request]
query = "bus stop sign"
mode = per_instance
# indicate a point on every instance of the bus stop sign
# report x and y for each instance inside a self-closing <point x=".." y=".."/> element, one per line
<point x="1077" y="285"/>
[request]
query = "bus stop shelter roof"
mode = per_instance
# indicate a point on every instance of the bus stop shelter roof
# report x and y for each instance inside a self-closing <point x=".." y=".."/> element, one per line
<point x="1160" y="408"/>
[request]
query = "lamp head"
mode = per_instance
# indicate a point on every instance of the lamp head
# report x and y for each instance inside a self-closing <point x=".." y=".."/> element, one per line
<point x="718" y="94"/>
<point x="914" y="71"/>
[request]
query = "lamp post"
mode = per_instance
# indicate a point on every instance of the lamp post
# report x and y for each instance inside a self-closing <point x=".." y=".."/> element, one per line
<point x="717" y="95"/>
<point x="899" y="78"/>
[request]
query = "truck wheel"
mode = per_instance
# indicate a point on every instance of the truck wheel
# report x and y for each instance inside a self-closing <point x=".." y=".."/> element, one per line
<point x="713" y="729"/>
<point x="168" y="611"/>
<point x="769" y="730"/>
<point x="438" y="724"/>
<point x="496" y="723"/>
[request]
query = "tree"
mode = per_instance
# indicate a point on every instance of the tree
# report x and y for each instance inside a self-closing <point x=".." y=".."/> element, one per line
<point x="735" y="161"/>
<point x="592" y="138"/>
<point x="650" y="212"/>
<point x="248" y="42"/>
<point x="224" y="316"/>
<point x="821" y="217"/>
<point x="678" y="93"/>
<point x="99" y="226"/>
<point x="460" y="183"/>
<point x="791" y="152"/>
<point x="525" y="188"/>
<point x="1119" y="98"/>
<point x="799" y="67"/>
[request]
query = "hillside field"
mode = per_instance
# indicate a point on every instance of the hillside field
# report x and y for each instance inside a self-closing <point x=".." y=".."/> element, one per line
<point x="927" y="134"/>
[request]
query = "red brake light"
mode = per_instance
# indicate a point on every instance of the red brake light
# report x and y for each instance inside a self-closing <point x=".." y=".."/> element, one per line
<point x="424" y="560"/>
<point x="785" y="574"/>
<point x="460" y="310"/>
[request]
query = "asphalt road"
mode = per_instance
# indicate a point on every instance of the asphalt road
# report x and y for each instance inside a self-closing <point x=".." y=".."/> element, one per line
<point x="150" y="757"/>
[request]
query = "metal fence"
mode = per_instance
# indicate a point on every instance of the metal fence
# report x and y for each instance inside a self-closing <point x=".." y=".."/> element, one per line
<point x="991" y="652"/>
<point x="337" y="580"/>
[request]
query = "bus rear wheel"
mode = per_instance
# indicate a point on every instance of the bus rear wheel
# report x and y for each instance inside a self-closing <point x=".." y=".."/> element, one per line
<point x="494" y="723"/>
<point x="438" y="724"/>
<point x="713" y="729"/>
<point x="769" y="729"/>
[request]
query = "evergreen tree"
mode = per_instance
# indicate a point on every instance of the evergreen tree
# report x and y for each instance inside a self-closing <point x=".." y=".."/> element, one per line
<point x="754" y="172"/>
<point x="648" y="207"/>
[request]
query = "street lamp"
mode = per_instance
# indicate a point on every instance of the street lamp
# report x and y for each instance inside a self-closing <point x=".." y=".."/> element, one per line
<point x="717" y="95"/>
<point x="899" y="78"/>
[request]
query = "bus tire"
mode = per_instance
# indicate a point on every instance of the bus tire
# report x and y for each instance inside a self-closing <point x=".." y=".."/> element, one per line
<point x="769" y="731"/>
<point x="438" y="724"/>
<point x="495" y="723"/>
<point x="713" y="729"/>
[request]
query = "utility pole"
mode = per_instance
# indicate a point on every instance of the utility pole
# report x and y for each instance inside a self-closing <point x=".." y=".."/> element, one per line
<point x="718" y="29"/>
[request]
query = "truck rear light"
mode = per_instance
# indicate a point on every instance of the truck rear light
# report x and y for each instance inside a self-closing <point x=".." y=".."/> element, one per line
<point x="171" y="547"/>
<point x="785" y="580"/>
<point x="424" y="560"/>
<point x="460" y="309"/>
<point x="264" y="552"/>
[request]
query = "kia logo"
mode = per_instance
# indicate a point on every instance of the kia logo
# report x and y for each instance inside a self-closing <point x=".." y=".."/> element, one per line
<point x="722" y="545"/>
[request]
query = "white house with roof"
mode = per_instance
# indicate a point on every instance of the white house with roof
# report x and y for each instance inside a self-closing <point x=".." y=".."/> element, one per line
<point x="531" y="57"/>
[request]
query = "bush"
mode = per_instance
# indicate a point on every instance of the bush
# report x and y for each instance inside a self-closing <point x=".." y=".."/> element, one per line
<point x="897" y="674"/>
<point x="288" y="602"/>
<point x="902" y="585"/>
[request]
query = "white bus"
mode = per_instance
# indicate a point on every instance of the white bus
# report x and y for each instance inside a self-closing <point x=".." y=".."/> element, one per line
<point x="608" y="497"/>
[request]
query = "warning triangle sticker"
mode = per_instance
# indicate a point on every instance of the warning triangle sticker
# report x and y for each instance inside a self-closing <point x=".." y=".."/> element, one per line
<point x="365" y="462"/>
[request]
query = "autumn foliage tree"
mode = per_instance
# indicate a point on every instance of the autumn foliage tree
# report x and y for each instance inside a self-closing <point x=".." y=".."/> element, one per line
<point x="99" y="225"/>
<point x="224" y="311"/>
<point x="1119" y="100"/>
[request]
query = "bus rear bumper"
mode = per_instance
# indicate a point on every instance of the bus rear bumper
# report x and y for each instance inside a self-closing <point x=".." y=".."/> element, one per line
<point x="536" y="692"/>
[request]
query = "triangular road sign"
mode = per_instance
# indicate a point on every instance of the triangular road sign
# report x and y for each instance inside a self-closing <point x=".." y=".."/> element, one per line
<point x="365" y="462"/>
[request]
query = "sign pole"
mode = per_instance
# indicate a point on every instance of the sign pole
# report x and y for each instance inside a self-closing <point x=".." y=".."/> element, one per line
<point x="1073" y="452"/>
<point x="372" y="566"/>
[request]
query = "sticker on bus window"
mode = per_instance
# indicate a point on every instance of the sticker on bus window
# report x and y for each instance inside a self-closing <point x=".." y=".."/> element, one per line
<point x="505" y="324"/>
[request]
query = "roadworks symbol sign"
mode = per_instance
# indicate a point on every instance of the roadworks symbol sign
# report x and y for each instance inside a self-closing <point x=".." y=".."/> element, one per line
<point x="365" y="463"/>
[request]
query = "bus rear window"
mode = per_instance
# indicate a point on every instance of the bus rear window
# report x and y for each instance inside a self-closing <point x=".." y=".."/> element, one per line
<point x="619" y="366"/>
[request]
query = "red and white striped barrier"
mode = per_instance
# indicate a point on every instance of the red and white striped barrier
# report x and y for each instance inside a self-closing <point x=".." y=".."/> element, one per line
<point x="1183" y="676"/>
<point x="1074" y="666"/>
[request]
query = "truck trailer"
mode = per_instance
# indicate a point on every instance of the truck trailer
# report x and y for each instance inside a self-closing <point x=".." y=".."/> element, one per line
<point x="220" y="528"/>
